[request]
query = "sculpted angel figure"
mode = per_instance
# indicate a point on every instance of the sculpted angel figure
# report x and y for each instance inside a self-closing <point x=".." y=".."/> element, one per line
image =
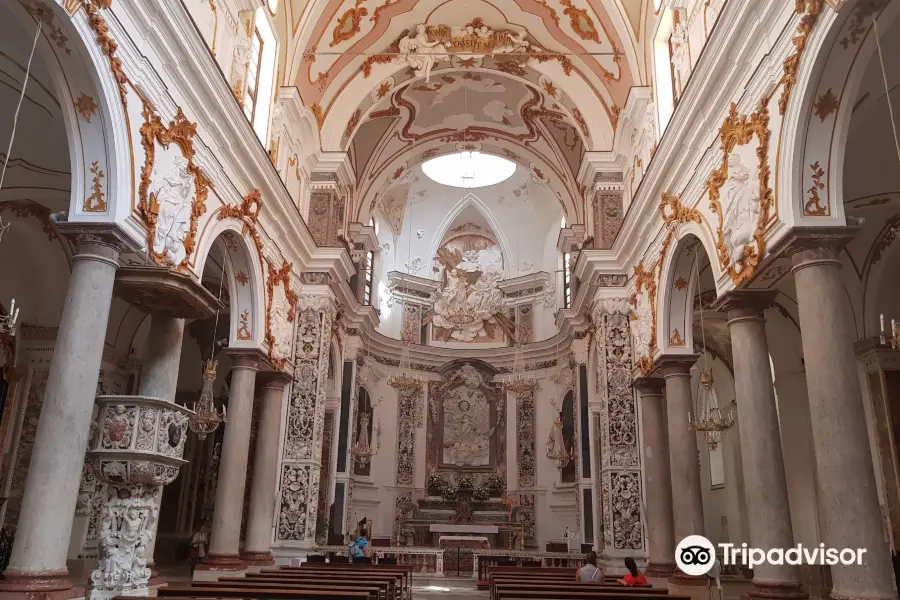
<point x="642" y="326"/>
<point x="422" y="54"/>
<point x="172" y="204"/>
<point x="742" y="206"/>
<point x="282" y="329"/>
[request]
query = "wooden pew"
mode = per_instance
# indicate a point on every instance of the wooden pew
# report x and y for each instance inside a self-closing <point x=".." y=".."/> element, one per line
<point x="535" y="583"/>
<point x="549" y="587"/>
<point x="375" y="592"/>
<point x="387" y="584"/>
<point x="405" y="570"/>
<point x="206" y="592"/>
<point x="399" y="577"/>
<point x="584" y="591"/>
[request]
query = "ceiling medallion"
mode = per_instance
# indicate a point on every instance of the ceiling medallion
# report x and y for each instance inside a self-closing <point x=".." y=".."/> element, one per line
<point x="469" y="169"/>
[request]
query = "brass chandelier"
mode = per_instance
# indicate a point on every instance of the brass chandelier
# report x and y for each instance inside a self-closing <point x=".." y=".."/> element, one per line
<point x="361" y="450"/>
<point x="709" y="419"/>
<point x="206" y="418"/>
<point x="519" y="382"/>
<point x="405" y="379"/>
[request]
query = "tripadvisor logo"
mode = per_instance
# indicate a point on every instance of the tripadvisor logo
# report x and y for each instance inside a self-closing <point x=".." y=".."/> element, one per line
<point x="695" y="555"/>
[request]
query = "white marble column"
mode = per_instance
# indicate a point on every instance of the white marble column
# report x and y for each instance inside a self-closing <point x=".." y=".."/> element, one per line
<point x="258" y="542"/>
<point x="765" y="486"/>
<point x="848" y="500"/>
<point x="38" y="561"/>
<point x="684" y="459"/>
<point x="225" y="540"/>
<point x="657" y="479"/>
<point x="159" y="379"/>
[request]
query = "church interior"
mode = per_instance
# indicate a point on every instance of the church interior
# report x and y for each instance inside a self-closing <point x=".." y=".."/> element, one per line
<point x="459" y="285"/>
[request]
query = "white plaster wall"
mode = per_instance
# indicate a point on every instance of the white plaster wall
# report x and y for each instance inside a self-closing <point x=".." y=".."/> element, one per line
<point x="521" y="222"/>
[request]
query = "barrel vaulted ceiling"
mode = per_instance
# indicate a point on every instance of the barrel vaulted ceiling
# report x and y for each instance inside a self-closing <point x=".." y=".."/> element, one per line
<point x="543" y="109"/>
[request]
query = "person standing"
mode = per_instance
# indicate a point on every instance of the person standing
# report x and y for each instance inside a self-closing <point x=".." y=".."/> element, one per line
<point x="199" y="542"/>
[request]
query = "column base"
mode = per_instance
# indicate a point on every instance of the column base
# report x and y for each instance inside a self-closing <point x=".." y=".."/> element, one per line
<point x="222" y="562"/>
<point x="155" y="577"/>
<point x="257" y="559"/>
<point x="660" y="570"/>
<point x="780" y="590"/>
<point x="38" y="585"/>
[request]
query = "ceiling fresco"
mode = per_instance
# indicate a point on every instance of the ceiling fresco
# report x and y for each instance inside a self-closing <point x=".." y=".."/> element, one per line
<point x="464" y="110"/>
<point x="588" y="48"/>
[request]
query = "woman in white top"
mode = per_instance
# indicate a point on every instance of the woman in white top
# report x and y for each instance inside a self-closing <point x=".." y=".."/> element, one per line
<point x="590" y="572"/>
<point x="198" y="545"/>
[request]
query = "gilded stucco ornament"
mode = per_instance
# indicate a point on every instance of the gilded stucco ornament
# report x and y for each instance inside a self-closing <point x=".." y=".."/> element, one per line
<point x="170" y="199"/>
<point x="740" y="233"/>
<point x="280" y="310"/>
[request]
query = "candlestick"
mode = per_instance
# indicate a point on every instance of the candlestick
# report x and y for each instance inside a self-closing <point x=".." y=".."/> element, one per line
<point x="881" y="318"/>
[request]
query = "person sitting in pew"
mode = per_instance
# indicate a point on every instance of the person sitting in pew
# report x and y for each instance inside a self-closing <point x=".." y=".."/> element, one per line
<point x="634" y="576"/>
<point x="359" y="549"/>
<point x="590" y="572"/>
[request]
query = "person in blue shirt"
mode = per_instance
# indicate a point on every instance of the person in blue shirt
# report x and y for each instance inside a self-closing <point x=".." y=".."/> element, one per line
<point x="358" y="547"/>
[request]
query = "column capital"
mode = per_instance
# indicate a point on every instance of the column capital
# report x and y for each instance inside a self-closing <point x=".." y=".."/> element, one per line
<point x="811" y="245"/>
<point x="742" y="304"/>
<point x="274" y="380"/>
<point x="580" y="350"/>
<point x="649" y="386"/>
<point x="90" y="235"/>
<point x="320" y="302"/>
<point x="249" y="358"/>
<point x="675" y="365"/>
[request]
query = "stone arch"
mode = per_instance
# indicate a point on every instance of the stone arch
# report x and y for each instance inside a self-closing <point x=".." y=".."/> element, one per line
<point x="474" y="201"/>
<point x="245" y="281"/>
<point x="678" y="287"/>
<point x="817" y="116"/>
<point x="92" y="104"/>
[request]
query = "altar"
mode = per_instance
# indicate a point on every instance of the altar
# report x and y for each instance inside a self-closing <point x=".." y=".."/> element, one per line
<point x="463" y="541"/>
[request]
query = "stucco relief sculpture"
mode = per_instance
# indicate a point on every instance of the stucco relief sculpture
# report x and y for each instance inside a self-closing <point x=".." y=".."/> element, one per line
<point x="125" y="533"/>
<point x="642" y="325"/>
<point x="432" y="44"/>
<point x="467" y="428"/>
<point x="742" y="206"/>
<point x="420" y="53"/>
<point x="282" y="324"/>
<point x="469" y="304"/>
<point x="171" y="195"/>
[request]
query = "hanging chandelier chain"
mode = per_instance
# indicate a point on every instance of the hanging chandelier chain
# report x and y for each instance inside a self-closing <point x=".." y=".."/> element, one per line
<point x="887" y="90"/>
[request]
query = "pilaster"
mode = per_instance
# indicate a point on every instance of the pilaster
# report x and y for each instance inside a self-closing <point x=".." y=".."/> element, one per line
<point x="618" y="464"/>
<point x="301" y="452"/>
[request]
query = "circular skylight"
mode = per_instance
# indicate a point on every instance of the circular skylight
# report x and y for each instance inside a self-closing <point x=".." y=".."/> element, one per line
<point x="469" y="169"/>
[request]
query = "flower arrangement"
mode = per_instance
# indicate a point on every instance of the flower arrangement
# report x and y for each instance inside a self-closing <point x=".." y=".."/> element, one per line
<point x="481" y="494"/>
<point x="495" y="483"/>
<point x="465" y="482"/>
<point x="449" y="492"/>
<point x="435" y="484"/>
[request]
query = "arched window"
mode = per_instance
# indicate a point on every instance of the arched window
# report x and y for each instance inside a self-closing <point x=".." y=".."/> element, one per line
<point x="260" y="75"/>
<point x="370" y="274"/>
<point x="363" y="407"/>
<point x="567" y="280"/>
<point x="273" y="5"/>
<point x="662" y="66"/>
<point x="567" y="416"/>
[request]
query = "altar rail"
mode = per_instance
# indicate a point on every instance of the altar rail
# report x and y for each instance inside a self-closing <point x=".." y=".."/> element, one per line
<point x="431" y="560"/>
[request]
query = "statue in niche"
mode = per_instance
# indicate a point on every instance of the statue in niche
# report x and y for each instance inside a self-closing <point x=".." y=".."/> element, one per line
<point x="742" y="206"/>
<point x="467" y="428"/>
<point x="170" y="200"/>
